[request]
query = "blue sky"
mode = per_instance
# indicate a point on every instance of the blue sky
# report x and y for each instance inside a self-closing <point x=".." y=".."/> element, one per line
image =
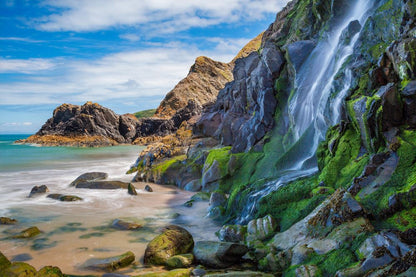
<point x="124" y="54"/>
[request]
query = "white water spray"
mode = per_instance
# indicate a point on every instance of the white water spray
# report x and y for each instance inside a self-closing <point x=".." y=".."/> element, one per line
<point x="311" y="109"/>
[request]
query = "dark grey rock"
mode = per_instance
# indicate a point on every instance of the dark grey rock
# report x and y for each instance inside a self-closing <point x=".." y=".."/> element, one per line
<point x="218" y="254"/>
<point x="37" y="190"/>
<point x="102" y="185"/>
<point x="90" y="176"/>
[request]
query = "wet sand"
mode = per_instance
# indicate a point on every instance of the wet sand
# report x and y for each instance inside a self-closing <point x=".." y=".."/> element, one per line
<point x="77" y="231"/>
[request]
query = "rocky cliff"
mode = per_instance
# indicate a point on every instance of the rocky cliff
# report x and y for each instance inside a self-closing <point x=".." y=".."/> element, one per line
<point x="312" y="145"/>
<point x="205" y="79"/>
<point x="94" y="125"/>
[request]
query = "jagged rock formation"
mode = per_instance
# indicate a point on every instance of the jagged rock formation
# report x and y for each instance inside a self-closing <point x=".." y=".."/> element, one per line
<point x="94" y="125"/>
<point x="205" y="79"/>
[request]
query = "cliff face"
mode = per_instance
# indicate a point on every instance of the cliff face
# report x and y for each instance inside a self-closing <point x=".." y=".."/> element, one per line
<point x="205" y="79"/>
<point x="316" y="143"/>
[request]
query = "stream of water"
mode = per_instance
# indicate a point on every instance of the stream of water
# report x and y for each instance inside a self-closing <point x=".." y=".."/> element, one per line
<point x="314" y="107"/>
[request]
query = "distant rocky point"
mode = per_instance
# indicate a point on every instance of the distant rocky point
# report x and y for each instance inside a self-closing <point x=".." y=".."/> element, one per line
<point x="92" y="125"/>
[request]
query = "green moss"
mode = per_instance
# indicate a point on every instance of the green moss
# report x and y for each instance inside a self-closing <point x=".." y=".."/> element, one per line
<point x="50" y="271"/>
<point x="340" y="167"/>
<point x="20" y="269"/>
<point x="172" y="273"/>
<point x="164" y="165"/>
<point x="291" y="203"/>
<point x="400" y="221"/>
<point x="403" y="178"/>
<point x="221" y="155"/>
<point x="4" y="262"/>
<point x="145" y="113"/>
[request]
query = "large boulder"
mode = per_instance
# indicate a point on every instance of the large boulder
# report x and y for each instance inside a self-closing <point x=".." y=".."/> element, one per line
<point x="89" y="176"/>
<point x="219" y="254"/>
<point x="50" y="271"/>
<point x="173" y="241"/>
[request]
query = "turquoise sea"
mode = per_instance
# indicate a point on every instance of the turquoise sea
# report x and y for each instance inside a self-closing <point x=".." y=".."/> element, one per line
<point x="73" y="232"/>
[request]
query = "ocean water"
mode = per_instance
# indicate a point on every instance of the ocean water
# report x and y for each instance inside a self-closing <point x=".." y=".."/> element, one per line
<point x="73" y="232"/>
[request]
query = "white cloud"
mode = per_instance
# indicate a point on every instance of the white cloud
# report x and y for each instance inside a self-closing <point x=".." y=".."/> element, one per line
<point x="130" y="37"/>
<point x="25" y="66"/>
<point x="126" y="75"/>
<point x="15" y="124"/>
<point x="164" y="16"/>
<point x="21" y="39"/>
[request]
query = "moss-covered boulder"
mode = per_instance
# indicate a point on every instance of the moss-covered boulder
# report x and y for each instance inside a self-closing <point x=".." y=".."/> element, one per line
<point x="173" y="241"/>
<point x="7" y="221"/>
<point x="111" y="263"/>
<point x="28" y="233"/>
<point x="232" y="233"/>
<point x="19" y="269"/>
<point x="50" y="271"/>
<point x="4" y="262"/>
<point x="180" y="261"/>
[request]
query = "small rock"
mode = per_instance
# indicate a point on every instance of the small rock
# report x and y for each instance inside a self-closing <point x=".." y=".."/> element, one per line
<point x="64" y="198"/>
<point x="7" y="221"/>
<point x="232" y="233"/>
<point x="148" y="188"/>
<point x="194" y="185"/>
<point x="198" y="271"/>
<point x="50" y="271"/>
<point x="240" y="274"/>
<point x="22" y="258"/>
<point x="189" y="203"/>
<point x="217" y="199"/>
<point x="180" y="261"/>
<point x="201" y="196"/>
<point x="89" y="176"/>
<point x="308" y="271"/>
<point x="173" y="241"/>
<point x="102" y="185"/>
<point x="219" y="254"/>
<point x="131" y="189"/>
<point x="20" y="269"/>
<point x="28" y="233"/>
<point x="36" y="190"/>
<point x="124" y="225"/>
<point x="111" y="263"/>
<point x="261" y="228"/>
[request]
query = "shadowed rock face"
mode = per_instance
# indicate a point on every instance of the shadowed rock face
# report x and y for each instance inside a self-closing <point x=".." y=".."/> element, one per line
<point x="244" y="110"/>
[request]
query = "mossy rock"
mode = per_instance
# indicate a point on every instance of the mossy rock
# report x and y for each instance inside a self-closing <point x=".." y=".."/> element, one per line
<point x="4" y="262"/>
<point x="131" y="189"/>
<point x="173" y="273"/>
<point x="173" y="241"/>
<point x="180" y="261"/>
<point x="7" y="221"/>
<point x="50" y="271"/>
<point x="111" y="263"/>
<point x="28" y="233"/>
<point x="19" y="269"/>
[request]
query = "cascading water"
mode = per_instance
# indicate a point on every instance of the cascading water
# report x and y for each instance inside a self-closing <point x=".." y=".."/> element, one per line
<point x="312" y="109"/>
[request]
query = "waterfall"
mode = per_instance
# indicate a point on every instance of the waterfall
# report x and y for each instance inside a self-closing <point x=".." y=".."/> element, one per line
<point x="312" y="108"/>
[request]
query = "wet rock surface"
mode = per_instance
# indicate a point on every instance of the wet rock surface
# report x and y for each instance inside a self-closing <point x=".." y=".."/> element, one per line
<point x="111" y="263"/>
<point x="174" y="240"/>
<point x="7" y="221"/>
<point x="89" y="176"/>
<point x="218" y="254"/>
<point x="37" y="190"/>
<point x="102" y="185"/>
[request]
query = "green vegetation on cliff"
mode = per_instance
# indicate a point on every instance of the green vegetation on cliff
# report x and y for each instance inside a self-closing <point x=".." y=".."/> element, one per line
<point x="145" y="113"/>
